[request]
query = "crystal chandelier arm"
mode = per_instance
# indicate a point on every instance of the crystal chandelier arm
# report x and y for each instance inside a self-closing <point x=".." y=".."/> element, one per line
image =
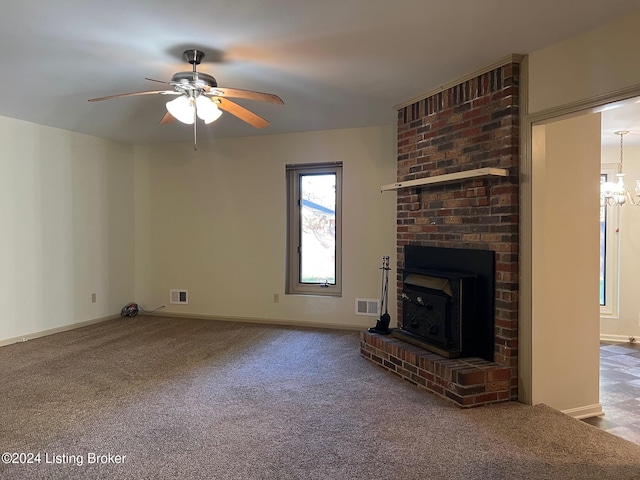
<point x="616" y="194"/>
<point x="634" y="199"/>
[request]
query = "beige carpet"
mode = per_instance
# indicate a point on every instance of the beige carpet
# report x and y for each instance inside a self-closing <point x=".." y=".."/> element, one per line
<point x="199" y="399"/>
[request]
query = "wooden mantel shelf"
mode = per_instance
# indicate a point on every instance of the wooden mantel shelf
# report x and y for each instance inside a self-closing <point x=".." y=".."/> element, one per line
<point x="447" y="178"/>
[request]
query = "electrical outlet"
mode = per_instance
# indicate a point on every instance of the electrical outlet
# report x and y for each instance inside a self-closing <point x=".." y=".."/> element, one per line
<point x="276" y="298"/>
<point x="93" y="298"/>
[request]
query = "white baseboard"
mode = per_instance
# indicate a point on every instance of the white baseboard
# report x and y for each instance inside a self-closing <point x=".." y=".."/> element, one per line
<point x="585" y="412"/>
<point x="51" y="331"/>
<point x="604" y="337"/>
<point x="270" y="321"/>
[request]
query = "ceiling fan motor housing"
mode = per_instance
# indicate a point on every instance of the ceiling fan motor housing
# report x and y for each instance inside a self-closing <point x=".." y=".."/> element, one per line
<point x="193" y="80"/>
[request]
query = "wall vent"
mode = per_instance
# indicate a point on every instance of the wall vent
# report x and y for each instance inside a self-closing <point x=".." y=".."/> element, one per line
<point x="367" y="306"/>
<point x="179" y="296"/>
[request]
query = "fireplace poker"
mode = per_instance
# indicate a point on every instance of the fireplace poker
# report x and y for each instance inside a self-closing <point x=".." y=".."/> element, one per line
<point x="382" y="324"/>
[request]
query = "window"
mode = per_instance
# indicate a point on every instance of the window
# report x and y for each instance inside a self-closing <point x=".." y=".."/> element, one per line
<point x="314" y="233"/>
<point x="608" y="252"/>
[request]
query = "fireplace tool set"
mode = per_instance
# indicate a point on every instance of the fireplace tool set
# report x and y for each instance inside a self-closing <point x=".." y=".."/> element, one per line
<point x="382" y="324"/>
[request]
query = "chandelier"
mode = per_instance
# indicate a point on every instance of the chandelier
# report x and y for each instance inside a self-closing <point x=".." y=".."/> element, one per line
<point x="615" y="194"/>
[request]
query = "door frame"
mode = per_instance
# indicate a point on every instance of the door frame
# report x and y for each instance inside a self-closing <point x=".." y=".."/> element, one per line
<point x="526" y="349"/>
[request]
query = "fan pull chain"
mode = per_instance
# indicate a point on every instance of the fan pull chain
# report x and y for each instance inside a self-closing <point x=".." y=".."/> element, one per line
<point x="195" y="130"/>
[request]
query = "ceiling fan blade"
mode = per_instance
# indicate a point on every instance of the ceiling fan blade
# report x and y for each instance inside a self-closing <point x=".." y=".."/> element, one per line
<point x="242" y="113"/>
<point x="167" y="118"/>
<point x="147" y="92"/>
<point x="250" y="94"/>
<point x="157" y="81"/>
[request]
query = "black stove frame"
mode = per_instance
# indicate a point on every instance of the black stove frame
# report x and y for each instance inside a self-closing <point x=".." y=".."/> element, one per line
<point x="448" y="300"/>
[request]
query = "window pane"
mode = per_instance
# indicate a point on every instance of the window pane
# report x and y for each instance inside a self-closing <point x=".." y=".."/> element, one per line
<point x="603" y="246"/>
<point x="318" y="229"/>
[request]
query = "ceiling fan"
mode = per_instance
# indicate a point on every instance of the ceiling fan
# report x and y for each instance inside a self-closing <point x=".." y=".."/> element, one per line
<point x="198" y="96"/>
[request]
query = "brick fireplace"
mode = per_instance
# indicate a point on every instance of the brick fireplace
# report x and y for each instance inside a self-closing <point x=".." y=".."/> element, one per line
<point x="470" y="125"/>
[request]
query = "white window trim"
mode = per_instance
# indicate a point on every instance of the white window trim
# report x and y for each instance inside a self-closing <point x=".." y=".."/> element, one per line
<point x="294" y="286"/>
<point x="610" y="309"/>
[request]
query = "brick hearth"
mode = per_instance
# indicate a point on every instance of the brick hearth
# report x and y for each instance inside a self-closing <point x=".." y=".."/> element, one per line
<point x="468" y="382"/>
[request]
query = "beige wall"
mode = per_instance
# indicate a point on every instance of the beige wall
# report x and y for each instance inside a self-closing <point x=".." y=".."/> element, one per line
<point x="213" y="222"/>
<point x="566" y="167"/>
<point x="598" y="62"/>
<point x="626" y="323"/>
<point x="66" y="203"/>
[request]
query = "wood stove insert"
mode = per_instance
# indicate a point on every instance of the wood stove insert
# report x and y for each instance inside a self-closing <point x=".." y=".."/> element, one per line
<point x="448" y="301"/>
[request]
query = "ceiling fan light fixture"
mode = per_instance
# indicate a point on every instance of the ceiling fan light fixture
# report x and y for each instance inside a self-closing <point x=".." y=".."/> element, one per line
<point x="182" y="109"/>
<point x="207" y="109"/>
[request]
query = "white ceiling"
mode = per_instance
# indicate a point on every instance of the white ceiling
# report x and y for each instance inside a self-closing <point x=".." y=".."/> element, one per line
<point x="620" y="116"/>
<point x="335" y="63"/>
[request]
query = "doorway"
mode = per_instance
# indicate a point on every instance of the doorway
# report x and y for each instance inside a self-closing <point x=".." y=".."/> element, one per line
<point x="559" y="349"/>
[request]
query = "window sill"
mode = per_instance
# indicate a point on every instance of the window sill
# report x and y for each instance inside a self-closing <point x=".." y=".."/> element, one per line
<point x="311" y="294"/>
